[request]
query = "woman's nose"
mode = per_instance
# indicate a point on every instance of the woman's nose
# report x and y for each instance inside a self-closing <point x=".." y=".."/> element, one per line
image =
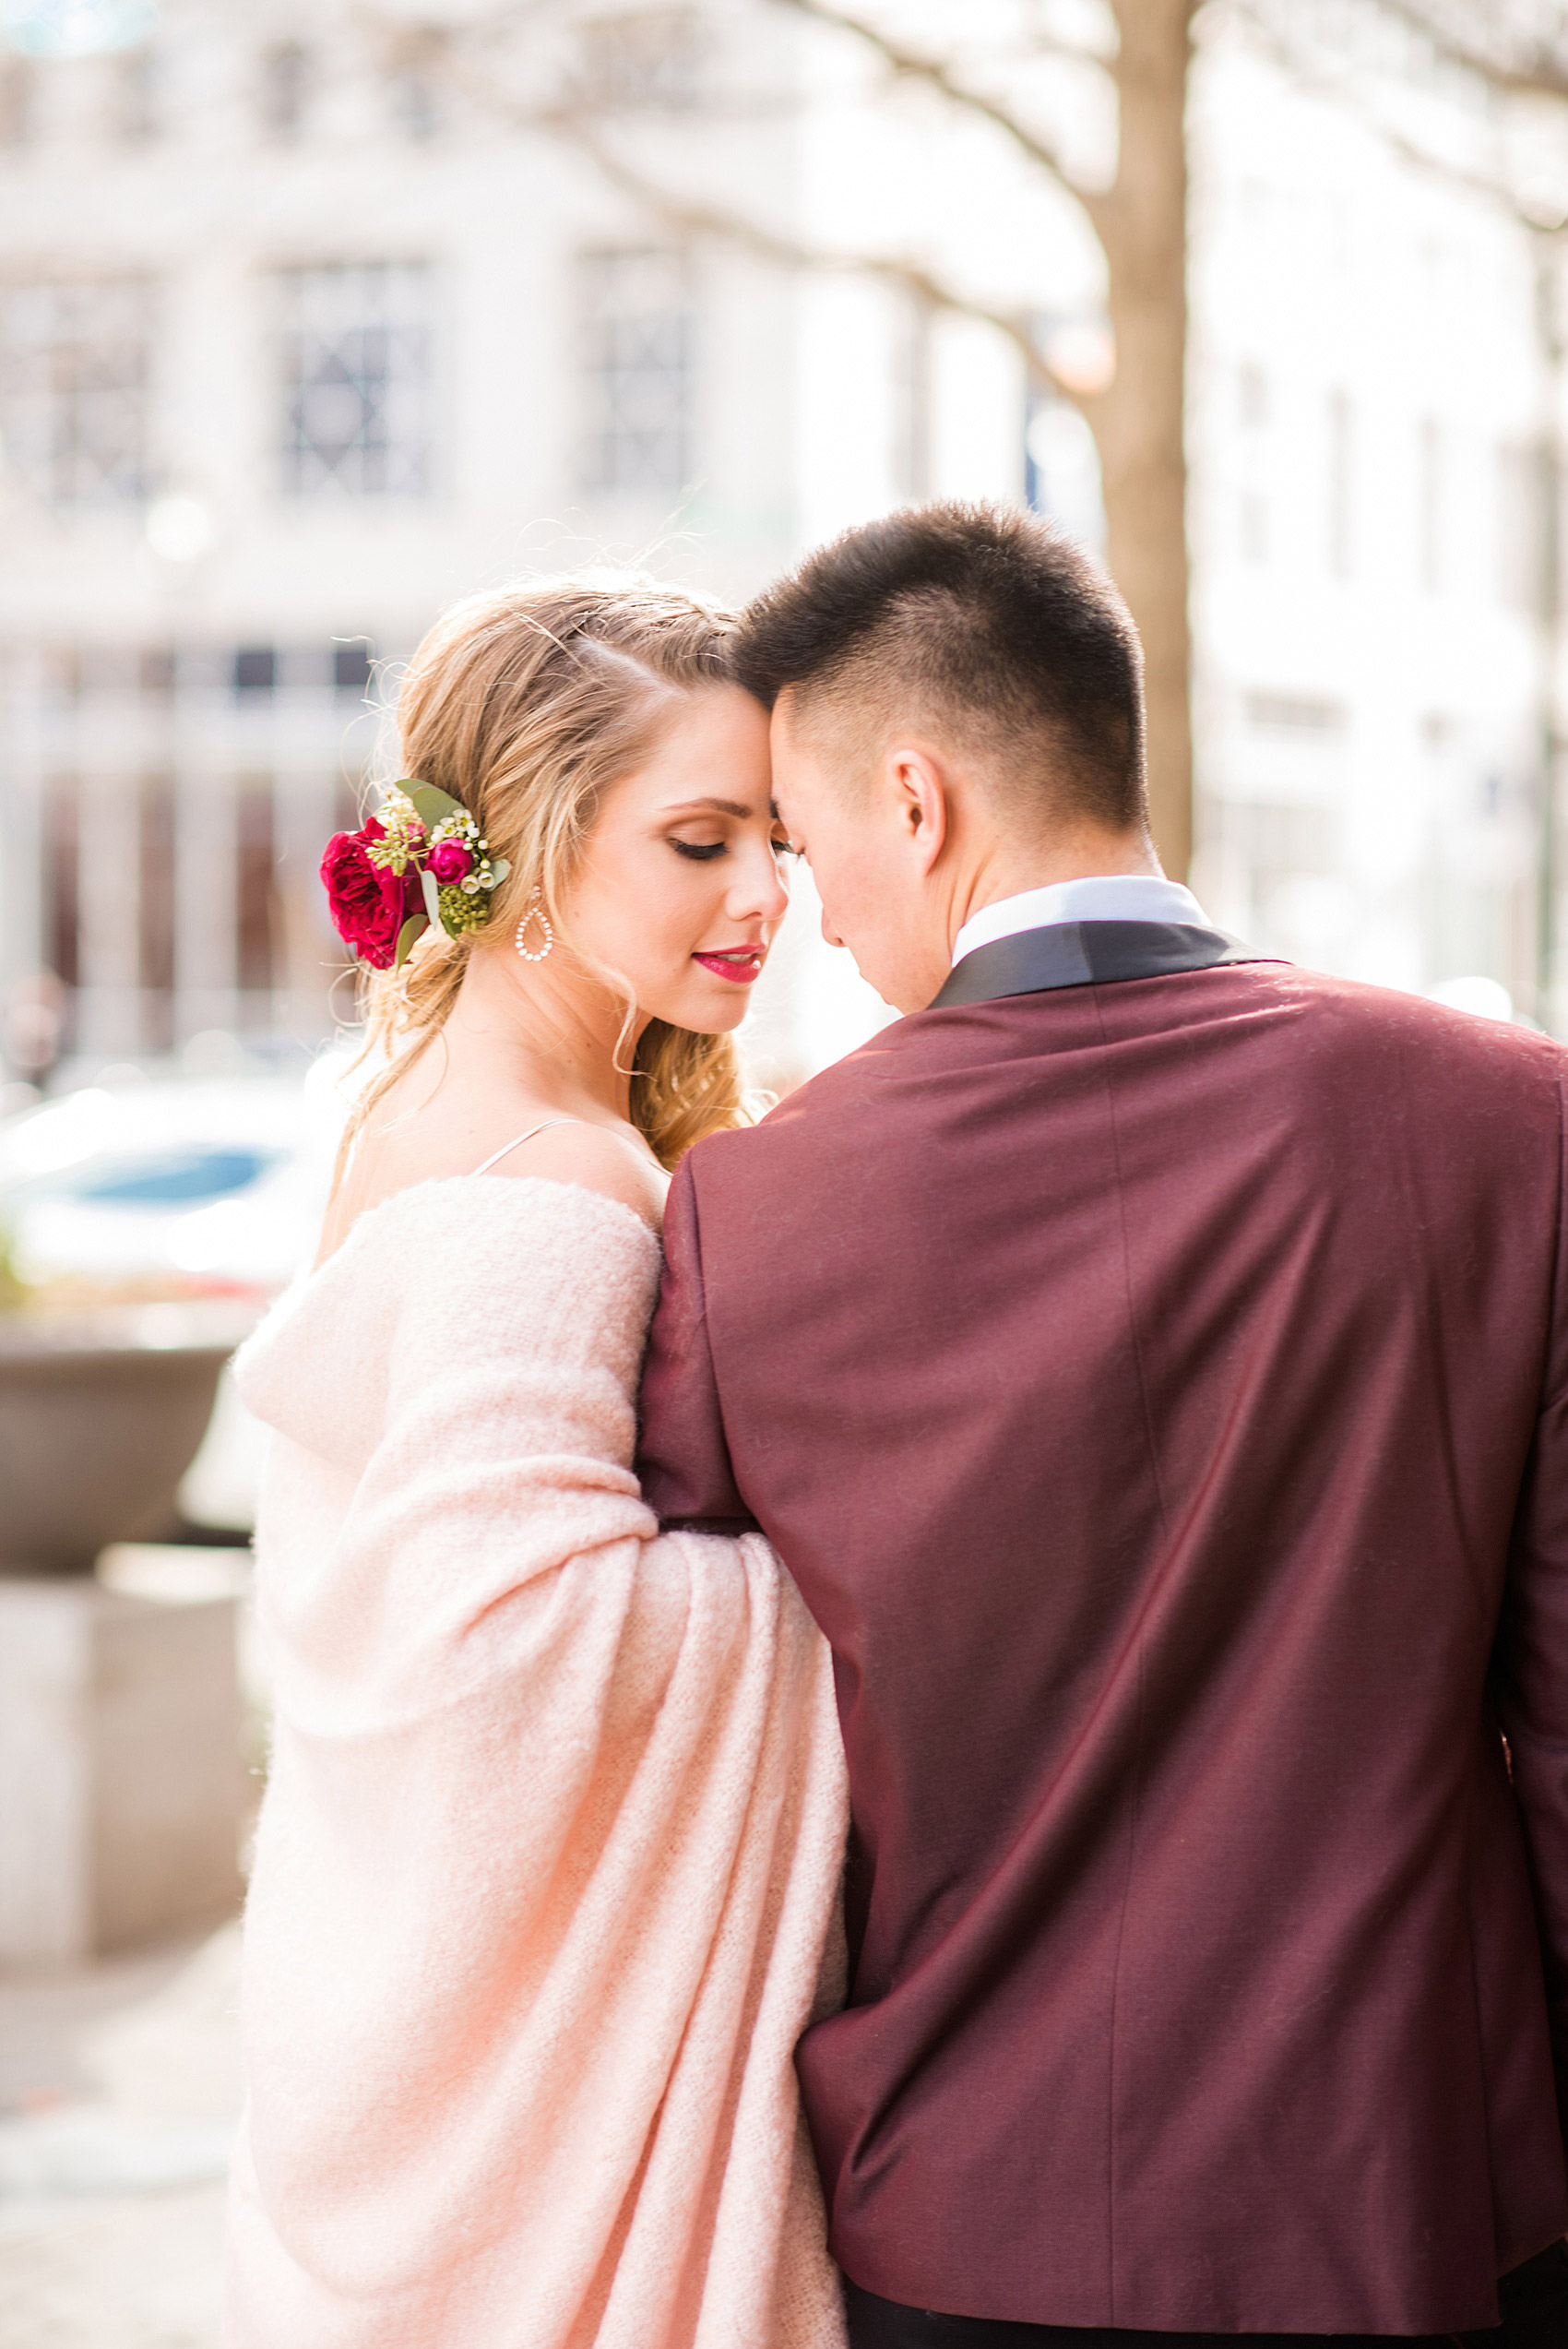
<point x="761" y="892"/>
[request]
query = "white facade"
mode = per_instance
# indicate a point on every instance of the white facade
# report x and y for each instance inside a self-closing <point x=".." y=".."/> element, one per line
<point x="303" y="334"/>
<point x="1369" y="399"/>
<point x="383" y="362"/>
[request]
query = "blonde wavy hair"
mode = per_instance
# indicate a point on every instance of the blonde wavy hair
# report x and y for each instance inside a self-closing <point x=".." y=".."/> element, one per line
<point x="527" y="705"/>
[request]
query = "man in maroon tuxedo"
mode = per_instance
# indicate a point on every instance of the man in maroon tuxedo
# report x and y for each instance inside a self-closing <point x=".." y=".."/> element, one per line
<point x="1151" y="1361"/>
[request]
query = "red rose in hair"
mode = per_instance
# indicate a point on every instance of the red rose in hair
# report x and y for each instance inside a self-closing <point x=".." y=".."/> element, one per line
<point x="369" y="905"/>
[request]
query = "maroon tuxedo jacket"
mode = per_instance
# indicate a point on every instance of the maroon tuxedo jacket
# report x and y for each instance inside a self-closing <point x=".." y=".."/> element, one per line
<point x="1158" y="1390"/>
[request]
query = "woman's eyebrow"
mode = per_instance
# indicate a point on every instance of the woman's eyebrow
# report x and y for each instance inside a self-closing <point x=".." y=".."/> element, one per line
<point x="710" y="807"/>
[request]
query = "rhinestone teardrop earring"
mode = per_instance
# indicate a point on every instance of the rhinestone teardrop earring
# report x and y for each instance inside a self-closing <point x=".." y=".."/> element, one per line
<point x="534" y="912"/>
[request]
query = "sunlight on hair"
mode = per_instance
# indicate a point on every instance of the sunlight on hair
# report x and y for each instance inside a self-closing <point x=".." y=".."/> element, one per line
<point x="526" y="706"/>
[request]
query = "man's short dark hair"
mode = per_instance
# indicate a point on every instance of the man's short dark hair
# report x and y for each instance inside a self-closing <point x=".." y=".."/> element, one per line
<point x="980" y="622"/>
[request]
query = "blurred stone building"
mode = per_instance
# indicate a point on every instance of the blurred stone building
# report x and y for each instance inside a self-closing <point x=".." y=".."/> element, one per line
<point x="1373" y="437"/>
<point x="294" y="348"/>
<point x="311" y="320"/>
<point x="304" y="333"/>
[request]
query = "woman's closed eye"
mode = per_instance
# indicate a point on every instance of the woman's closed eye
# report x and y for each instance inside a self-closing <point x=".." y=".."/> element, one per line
<point x="704" y="851"/>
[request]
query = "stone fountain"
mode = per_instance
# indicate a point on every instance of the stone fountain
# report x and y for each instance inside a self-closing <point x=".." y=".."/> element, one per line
<point x="121" y="1784"/>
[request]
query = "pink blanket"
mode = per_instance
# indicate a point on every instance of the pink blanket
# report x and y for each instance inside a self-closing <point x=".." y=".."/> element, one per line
<point x="550" y="1852"/>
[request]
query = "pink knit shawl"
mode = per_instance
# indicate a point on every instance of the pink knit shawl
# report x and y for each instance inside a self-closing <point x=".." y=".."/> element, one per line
<point x="549" y="1858"/>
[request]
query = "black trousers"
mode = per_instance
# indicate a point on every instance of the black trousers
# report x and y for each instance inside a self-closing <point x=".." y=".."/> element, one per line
<point x="1535" y="2315"/>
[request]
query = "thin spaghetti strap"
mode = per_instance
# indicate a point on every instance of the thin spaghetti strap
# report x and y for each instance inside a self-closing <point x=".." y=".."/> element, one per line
<point x="517" y="1143"/>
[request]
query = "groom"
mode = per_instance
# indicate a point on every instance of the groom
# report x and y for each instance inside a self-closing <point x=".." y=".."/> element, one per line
<point x="1151" y="1361"/>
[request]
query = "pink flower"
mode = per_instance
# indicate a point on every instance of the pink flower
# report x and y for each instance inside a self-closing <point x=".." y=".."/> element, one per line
<point x="450" y="861"/>
<point x="369" y="905"/>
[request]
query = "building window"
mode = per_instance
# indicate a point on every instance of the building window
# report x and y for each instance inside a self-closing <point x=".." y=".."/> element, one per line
<point x="1277" y="839"/>
<point x="357" y="369"/>
<point x="1255" y="525"/>
<point x="644" y="57"/>
<point x="639" y="353"/>
<point x="62" y="880"/>
<point x="1430" y="494"/>
<point x="912" y="387"/>
<point x="353" y="666"/>
<point x="412" y="84"/>
<point x="1255" y="407"/>
<point x="1524" y="536"/>
<point x="1341" y="456"/>
<point x="255" y="887"/>
<point x="155" y="910"/>
<point x="74" y="363"/>
<point x="1301" y="715"/>
<point x="134" y="111"/>
<point x="17" y="88"/>
<point x="1061" y="475"/>
<point x="1253" y="398"/>
<point x="285" y="89"/>
<point x="414" y="108"/>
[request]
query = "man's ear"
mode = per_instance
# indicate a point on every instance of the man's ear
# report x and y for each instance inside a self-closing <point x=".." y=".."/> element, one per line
<point x="921" y="792"/>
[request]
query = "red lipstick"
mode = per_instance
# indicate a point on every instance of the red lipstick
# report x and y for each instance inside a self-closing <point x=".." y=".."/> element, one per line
<point x="740" y="963"/>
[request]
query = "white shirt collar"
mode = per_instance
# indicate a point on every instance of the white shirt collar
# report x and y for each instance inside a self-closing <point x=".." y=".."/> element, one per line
<point x="1108" y="897"/>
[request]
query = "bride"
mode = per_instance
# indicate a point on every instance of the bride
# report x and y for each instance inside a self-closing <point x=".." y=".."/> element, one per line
<point x="549" y="1851"/>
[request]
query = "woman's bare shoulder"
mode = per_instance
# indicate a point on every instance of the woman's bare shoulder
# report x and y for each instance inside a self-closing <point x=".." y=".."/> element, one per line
<point x="421" y="1134"/>
<point x="598" y="1159"/>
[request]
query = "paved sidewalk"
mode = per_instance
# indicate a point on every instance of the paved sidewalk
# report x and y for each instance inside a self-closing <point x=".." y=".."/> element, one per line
<point x="119" y="2085"/>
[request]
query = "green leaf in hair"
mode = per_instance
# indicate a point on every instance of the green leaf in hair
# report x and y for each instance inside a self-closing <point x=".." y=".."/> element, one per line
<point x="433" y="806"/>
<point x="413" y="929"/>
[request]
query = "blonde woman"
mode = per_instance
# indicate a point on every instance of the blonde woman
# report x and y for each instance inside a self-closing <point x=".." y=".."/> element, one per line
<point x="550" y="1849"/>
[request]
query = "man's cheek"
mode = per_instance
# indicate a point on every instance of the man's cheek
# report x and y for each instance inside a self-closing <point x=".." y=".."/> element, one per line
<point x="840" y="899"/>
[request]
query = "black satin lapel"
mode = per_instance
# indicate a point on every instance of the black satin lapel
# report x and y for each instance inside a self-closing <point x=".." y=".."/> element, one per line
<point x="1083" y="954"/>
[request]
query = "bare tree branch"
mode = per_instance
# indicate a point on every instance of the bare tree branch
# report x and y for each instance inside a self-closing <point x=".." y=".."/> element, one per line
<point x="910" y="65"/>
<point x="1041" y="42"/>
<point x="686" y="216"/>
<point x="1347" y="89"/>
<point x="1541" y="73"/>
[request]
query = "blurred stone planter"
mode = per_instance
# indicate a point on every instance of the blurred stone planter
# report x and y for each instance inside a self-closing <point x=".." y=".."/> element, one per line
<point x="100" y="1418"/>
<point x="121" y="1783"/>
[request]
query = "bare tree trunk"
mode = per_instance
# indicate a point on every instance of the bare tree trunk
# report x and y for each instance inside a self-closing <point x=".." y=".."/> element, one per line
<point x="1138" y="422"/>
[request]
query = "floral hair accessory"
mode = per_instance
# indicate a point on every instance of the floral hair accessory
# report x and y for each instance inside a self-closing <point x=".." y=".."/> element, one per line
<point x="420" y="861"/>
